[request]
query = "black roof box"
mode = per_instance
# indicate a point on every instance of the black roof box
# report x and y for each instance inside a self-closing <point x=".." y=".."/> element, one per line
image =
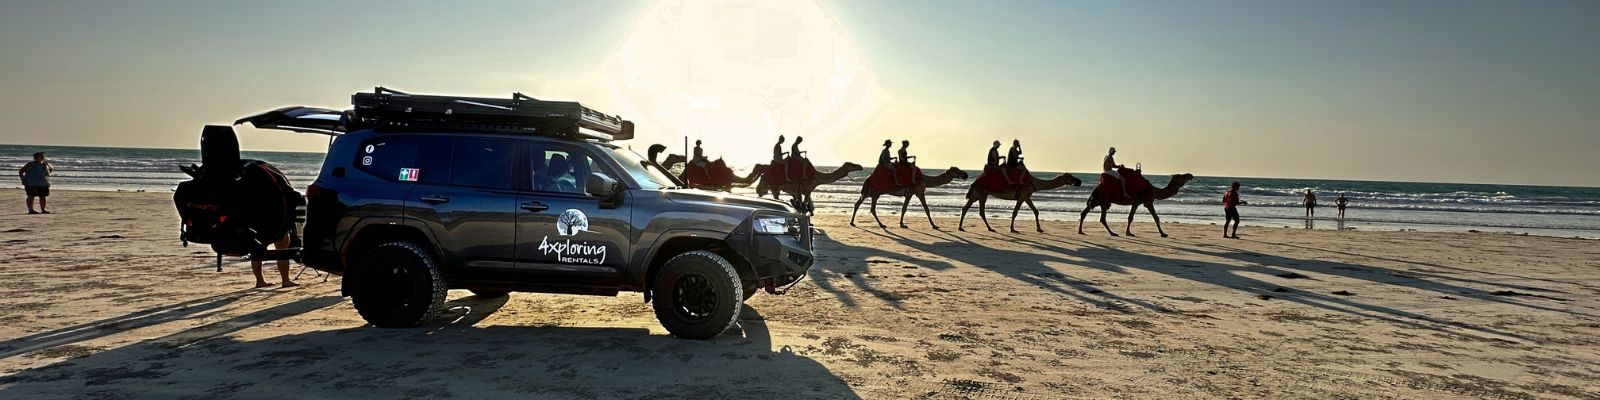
<point x="386" y="108"/>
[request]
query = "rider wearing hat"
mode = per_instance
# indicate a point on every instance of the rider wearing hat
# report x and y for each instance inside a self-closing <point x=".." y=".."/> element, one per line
<point x="887" y="162"/>
<point x="1110" y="166"/>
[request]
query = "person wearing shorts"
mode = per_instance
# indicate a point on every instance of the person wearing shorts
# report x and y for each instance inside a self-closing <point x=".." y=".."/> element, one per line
<point x="1230" y="210"/>
<point x="36" y="182"/>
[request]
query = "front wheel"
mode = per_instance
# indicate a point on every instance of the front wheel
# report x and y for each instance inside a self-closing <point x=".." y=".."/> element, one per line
<point x="698" y="295"/>
<point x="400" y="286"/>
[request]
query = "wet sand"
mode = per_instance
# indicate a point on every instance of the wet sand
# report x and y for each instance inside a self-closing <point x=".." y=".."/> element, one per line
<point x="101" y="301"/>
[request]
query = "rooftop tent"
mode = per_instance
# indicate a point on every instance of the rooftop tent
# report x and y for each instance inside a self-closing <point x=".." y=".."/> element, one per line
<point x="385" y="109"/>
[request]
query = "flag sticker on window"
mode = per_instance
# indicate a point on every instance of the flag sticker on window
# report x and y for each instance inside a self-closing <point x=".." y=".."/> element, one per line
<point x="410" y="174"/>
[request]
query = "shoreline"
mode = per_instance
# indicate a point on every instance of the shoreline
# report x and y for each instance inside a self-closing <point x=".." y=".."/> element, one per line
<point x="890" y="208"/>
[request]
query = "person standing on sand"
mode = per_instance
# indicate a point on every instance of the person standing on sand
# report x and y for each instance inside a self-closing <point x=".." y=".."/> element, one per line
<point x="1311" y="204"/>
<point x="1340" y="203"/>
<point x="36" y="181"/>
<point x="283" y="267"/>
<point x="1230" y="211"/>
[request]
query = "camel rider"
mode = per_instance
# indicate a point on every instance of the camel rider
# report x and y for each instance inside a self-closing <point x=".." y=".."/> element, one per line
<point x="994" y="161"/>
<point x="994" y="156"/>
<point x="887" y="163"/>
<point x="794" y="152"/>
<point x="1014" y="156"/>
<point x="699" y="159"/>
<point x="908" y="159"/>
<point x="777" y="151"/>
<point x="1110" y="166"/>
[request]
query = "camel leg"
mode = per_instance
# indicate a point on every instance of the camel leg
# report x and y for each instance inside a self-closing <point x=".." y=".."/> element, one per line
<point x="874" y="210"/>
<point x="983" y="212"/>
<point x="922" y="198"/>
<point x="1152" y="207"/>
<point x="1134" y="209"/>
<point x="1036" y="224"/>
<point x="1103" y="209"/>
<point x="857" y="208"/>
<point x="905" y="203"/>
<point x="1014" y="210"/>
<point x="961" y="223"/>
<point x="1084" y="215"/>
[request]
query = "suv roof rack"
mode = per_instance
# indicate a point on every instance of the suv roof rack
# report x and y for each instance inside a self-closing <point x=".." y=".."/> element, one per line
<point x="386" y="108"/>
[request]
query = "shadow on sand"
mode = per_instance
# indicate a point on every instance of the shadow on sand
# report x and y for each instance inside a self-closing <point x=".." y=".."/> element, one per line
<point x="449" y="357"/>
<point x="1049" y="268"/>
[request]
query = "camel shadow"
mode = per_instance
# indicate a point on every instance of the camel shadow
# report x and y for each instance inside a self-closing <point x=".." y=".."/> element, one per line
<point x="1034" y="269"/>
<point x="1239" y="277"/>
<point x="450" y="356"/>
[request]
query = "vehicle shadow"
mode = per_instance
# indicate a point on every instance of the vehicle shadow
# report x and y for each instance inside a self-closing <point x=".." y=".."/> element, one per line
<point x="449" y="357"/>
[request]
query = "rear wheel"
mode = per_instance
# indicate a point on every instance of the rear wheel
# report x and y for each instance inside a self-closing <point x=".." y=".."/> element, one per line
<point x="698" y="295"/>
<point x="400" y="286"/>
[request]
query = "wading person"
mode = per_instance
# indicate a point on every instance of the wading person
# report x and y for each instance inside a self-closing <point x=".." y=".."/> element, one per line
<point x="1230" y="211"/>
<point x="1311" y="204"/>
<point x="1340" y="203"/>
<point x="36" y="181"/>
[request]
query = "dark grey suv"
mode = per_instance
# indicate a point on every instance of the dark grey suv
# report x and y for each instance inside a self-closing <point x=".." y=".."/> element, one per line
<point x="421" y="194"/>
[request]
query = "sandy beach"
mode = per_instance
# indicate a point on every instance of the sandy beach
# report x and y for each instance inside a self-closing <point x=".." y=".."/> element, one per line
<point x="101" y="301"/>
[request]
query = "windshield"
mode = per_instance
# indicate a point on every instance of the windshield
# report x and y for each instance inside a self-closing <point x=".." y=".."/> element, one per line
<point x="647" y="175"/>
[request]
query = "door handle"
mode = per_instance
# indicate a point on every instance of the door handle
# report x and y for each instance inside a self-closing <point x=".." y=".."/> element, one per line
<point x="435" y="199"/>
<point x="535" y="206"/>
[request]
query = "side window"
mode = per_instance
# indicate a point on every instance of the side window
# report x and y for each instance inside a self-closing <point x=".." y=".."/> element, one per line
<point x="390" y="157"/>
<point x="562" y="169"/>
<point x="483" y="163"/>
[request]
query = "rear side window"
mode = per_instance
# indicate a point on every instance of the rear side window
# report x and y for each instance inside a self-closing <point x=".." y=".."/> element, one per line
<point x="390" y="157"/>
<point x="483" y="163"/>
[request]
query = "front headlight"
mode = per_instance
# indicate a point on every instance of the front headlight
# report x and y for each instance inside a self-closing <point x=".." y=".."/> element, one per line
<point x="772" y="225"/>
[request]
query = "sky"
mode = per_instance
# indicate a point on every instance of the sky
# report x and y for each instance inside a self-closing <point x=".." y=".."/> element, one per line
<point x="1444" y="90"/>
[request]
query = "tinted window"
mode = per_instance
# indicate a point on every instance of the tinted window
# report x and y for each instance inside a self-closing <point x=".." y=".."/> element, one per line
<point x="646" y="175"/>
<point x="387" y="156"/>
<point x="563" y="169"/>
<point x="483" y="163"/>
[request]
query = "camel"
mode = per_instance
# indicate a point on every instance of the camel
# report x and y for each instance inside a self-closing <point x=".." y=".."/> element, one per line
<point x="1146" y="197"/>
<point x="1023" y="195"/>
<point x="801" y="191"/>
<point x="919" y="190"/>
<point x="675" y="159"/>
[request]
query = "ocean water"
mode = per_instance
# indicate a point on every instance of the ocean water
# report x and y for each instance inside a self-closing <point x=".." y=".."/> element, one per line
<point x="1541" y="210"/>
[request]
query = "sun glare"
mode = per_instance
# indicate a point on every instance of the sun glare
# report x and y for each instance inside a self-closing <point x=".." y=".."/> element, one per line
<point x="738" y="73"/>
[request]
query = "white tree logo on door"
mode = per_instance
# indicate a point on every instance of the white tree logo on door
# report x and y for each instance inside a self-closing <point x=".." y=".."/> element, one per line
<point x="571" y="222"/>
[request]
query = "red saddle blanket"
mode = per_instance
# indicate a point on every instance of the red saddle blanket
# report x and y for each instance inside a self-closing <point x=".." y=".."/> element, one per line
<point x="715" y="173"/>
<point x="800" y="169"/>
<point x="1136" y="183"/>
<point x="994" y="177"/>
<point x="881" y="180"/>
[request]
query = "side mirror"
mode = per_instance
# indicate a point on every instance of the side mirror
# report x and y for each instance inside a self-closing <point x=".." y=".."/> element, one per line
<point x="600" y="185"/>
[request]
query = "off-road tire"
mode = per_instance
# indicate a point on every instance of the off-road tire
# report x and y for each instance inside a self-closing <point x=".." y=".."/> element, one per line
<point x="721" y="297"/>
<point x="400" y="286"/>
<point x="489" y="294"/>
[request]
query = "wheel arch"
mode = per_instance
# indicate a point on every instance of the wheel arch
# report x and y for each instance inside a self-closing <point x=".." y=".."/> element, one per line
<point x="684" y="242"/>
<point x="373" y="233"/>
